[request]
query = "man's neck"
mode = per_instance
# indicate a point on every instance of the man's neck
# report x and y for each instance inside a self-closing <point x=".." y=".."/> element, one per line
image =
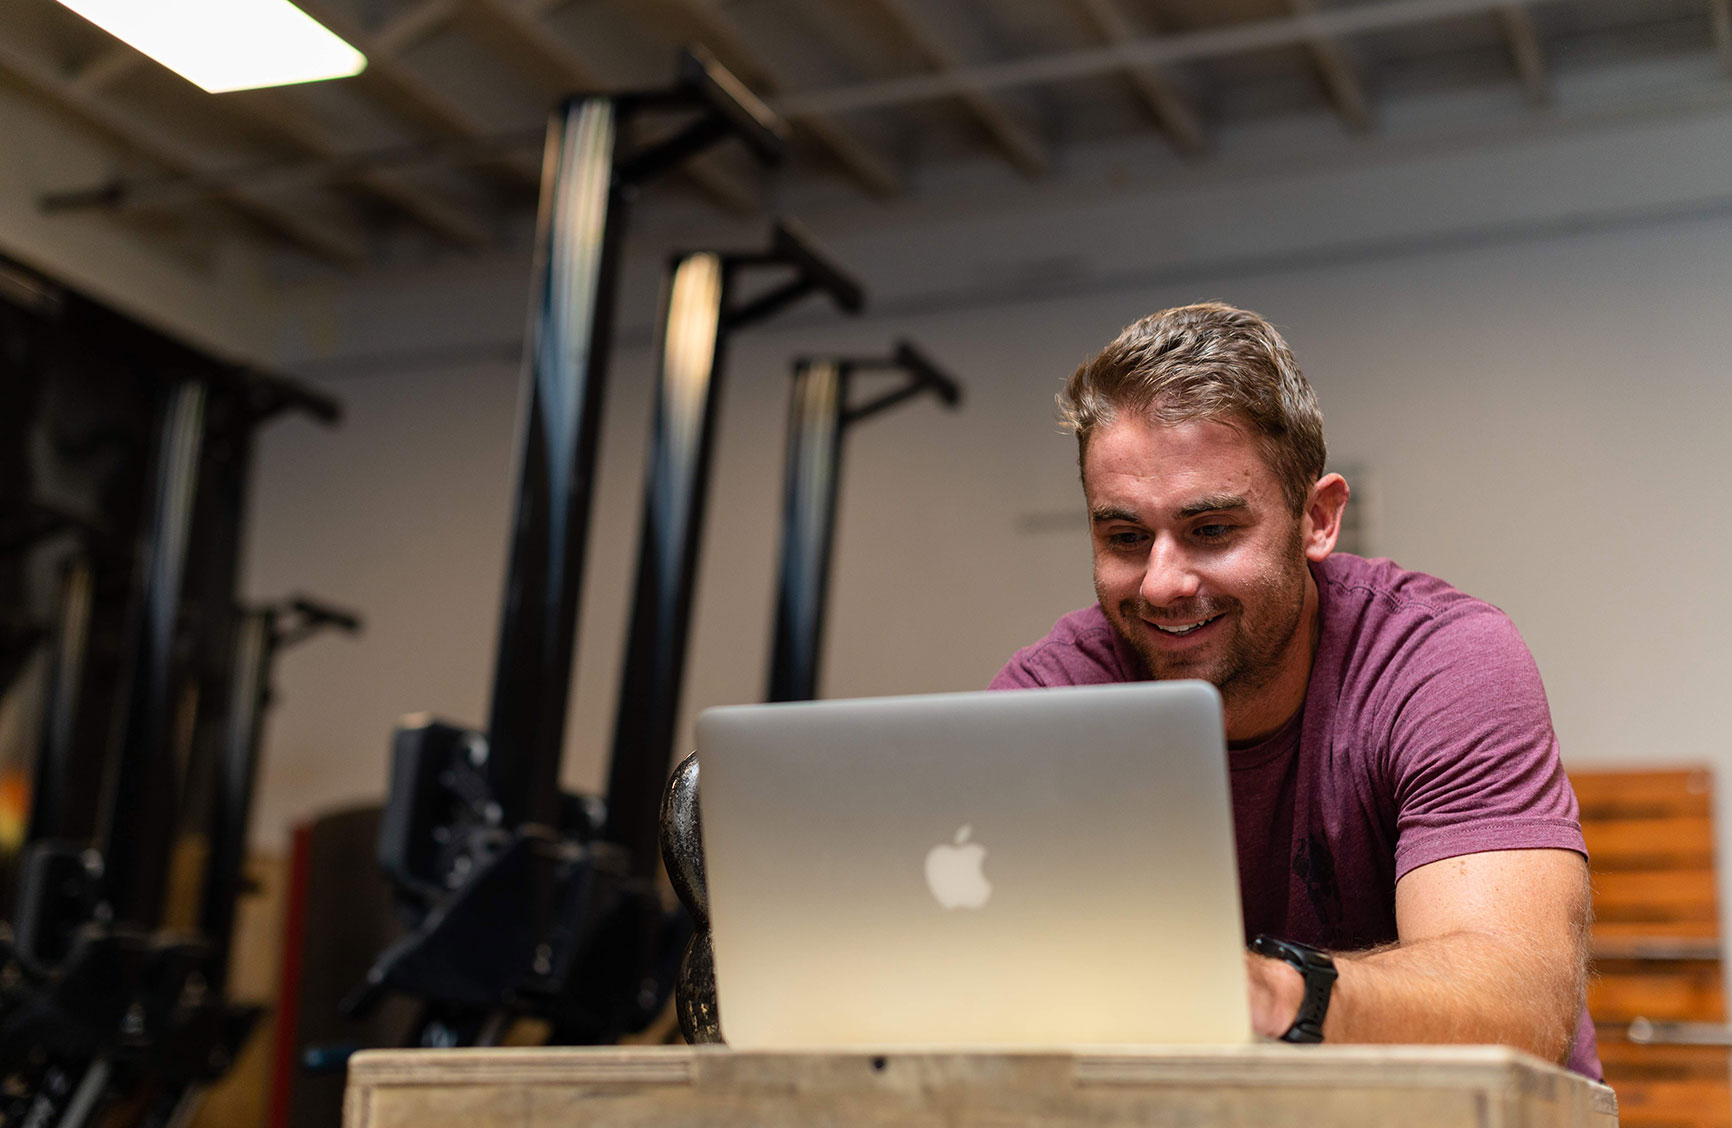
<point x="1273" y="705"/>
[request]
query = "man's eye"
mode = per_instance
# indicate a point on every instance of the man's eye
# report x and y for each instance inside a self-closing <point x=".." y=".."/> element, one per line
<point x="1126" y="539"/>
<point x="1212" y="532"/>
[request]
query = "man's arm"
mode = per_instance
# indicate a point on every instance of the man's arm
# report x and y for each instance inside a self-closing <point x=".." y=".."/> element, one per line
<point x="1493" y="949"/>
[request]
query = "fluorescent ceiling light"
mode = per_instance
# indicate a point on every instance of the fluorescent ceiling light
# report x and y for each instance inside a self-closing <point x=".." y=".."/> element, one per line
<point x="227" y="44"/>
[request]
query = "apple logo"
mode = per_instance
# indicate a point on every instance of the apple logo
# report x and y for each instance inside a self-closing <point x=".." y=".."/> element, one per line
<point x="953" y="872"/>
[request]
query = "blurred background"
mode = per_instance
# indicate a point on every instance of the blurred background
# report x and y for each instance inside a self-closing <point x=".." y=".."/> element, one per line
<point x="1498" y="237"/>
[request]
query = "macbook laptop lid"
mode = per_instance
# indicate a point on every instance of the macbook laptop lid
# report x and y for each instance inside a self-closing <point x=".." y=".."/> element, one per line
<point x="1027" y="867"/>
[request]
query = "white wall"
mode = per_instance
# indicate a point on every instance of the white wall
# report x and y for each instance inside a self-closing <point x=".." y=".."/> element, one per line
<point x="1543" y="422"/>
<point x="217" y="300"/>
<point x="1525" y="346"/>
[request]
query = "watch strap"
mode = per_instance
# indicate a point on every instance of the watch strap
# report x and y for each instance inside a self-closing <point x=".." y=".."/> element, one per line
<point x="1317" y="969"/>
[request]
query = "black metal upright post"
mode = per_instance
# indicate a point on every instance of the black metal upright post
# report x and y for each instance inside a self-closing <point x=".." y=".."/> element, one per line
<point x="55" y="753"/>
<point x="260" y="634"/>
<point x="811" y="480"/>
<point x="570" y="330"/>
<point x="249" y="685"/>
<point x="818" y="418"/>
<point x="701" y="311"/>
<point x="589" y="179"/>
<point x="139" y="798"/>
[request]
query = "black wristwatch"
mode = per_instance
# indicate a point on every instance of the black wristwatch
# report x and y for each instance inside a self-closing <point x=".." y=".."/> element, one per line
<point x="1318" y="971"/>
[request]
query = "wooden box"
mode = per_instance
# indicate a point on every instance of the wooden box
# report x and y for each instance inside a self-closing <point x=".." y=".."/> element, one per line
<point x="1260" y="1085"/>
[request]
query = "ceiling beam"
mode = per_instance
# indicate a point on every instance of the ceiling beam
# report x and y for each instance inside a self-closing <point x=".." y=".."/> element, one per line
<point x="1720" y="17"/>
<point x="412" y="25"/>
<point x="1019" y="145"/>
<point x="1179" y="47"/>
<point x="445" y="219"/>
<point x="107" y="69"/>
<point x="1172" y="110"/>
<point x="1336" y="71"/>
<point x="726" y="189"/>
<point x="872" y="172"/>
<point x="413" y="95"/>
<point x="1526" y="52"/>
<point x="323" y="239"/>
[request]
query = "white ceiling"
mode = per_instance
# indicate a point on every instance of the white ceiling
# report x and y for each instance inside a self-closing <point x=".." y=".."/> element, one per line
<point x="433" y="151"/>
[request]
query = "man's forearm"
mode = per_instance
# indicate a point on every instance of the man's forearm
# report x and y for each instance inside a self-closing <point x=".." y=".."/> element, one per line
<point x="1461" y="987"/>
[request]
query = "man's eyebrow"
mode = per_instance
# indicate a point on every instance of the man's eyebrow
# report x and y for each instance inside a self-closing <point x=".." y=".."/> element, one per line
<point x="1103" y="513"/>
<point x="1214" y="504"/>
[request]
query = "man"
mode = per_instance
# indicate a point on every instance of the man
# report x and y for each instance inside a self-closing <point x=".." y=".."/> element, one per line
<point x="1397" y="794"/>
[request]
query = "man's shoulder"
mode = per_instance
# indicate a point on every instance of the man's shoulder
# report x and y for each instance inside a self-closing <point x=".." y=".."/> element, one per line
<point x="1080" y="649"/>
<point x="1380" y="592"/>
<point x="1387" y="629"/>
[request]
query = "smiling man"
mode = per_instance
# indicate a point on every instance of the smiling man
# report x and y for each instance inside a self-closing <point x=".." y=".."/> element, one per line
<point x="1410" y="860"/>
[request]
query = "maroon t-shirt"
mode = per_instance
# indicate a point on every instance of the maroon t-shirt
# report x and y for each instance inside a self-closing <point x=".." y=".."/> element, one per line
<point x="1425" y="735"/>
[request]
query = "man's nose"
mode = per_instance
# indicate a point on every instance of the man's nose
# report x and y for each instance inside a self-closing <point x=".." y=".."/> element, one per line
<point x="1168" y="577"/>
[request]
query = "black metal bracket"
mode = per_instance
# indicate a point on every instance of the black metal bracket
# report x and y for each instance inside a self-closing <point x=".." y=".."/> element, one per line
<point x="300" y="617"/>
<point x="791" y="245"/>
<point x="728" y="108"/>
<point x="923" y="376"/>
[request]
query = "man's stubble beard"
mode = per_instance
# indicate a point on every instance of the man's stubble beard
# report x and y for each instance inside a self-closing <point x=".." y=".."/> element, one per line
<point x="1252" y="658"/>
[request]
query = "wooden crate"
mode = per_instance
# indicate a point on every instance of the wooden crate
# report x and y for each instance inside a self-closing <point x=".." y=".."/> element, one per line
<point x="1258" y="1085"/>
<point x="1650" y="839"/>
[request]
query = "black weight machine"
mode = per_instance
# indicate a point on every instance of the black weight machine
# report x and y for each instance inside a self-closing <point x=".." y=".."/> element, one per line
<point x="523" y="900"/>
<point x="819" y="416"/>
<point x="107" y="1011"/>
<point x="703" y="308"/>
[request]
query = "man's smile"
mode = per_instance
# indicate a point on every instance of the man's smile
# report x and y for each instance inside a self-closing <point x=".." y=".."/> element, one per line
<point x="1177" y="634"/>
<point x="1183" y="628"/>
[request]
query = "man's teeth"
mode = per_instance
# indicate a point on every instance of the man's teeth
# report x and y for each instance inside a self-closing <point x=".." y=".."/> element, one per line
<point x="1185" y="630"/>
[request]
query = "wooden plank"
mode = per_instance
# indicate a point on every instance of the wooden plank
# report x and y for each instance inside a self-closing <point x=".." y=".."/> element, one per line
<point x="1720" y="21"/>
<point x="1687" y="991"/>
<point x="672" y="1087"/>
<point x="1674" y="1104"/>
<point x="1661" y="1062"/>
<point x="1682" y="791"/>
<point x="1527" y="53"/>
<point x="1335" y="70"/>
<point x="1171" y="107"/>
<point x="1655" y="895"/>
<point x="1670" y="842"/>
<point x="1019" y="144"/>
<point x="1652" y="947"/>
<point x="1625" y="931"/>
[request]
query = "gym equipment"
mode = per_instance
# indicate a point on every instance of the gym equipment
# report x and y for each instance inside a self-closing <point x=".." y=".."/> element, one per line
<point x="515" y="909"/>
<point x="590" y="178"/>
<point x="703" y="309"/>
<point x="104" y="1016"/>
<point x="261" y="634"/>
<point x="818" y="419"/>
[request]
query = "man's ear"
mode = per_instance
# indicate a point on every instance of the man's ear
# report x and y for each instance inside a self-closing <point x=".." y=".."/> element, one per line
<point x="1320" y="524"/>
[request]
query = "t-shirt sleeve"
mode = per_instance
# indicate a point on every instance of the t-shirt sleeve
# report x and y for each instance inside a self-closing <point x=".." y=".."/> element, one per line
<point x="1474" y="759"/>
<point x="1018" y="673"/>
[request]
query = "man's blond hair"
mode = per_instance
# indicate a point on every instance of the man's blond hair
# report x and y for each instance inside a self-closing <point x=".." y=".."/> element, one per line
<point x="1206" y="361"/>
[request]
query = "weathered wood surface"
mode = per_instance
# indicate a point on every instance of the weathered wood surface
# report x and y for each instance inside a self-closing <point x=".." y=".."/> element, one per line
<point x="677" y="1086"/>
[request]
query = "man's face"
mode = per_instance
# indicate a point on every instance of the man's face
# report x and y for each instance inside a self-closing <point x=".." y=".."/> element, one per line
<point x="1199" y="563"/>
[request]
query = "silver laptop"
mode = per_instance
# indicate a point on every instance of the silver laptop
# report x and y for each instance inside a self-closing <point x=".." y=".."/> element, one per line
<point x="1035" y="867"/>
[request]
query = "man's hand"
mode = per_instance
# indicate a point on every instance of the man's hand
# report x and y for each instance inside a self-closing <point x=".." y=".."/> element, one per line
<point x="1277" y="990"/>
<point x="1493" y="949"/>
